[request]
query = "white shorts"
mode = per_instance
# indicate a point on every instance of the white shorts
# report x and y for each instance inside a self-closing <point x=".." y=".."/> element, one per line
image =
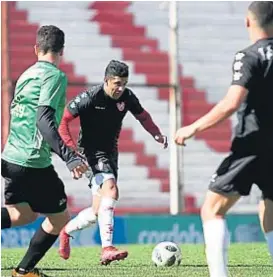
<point x="98" y="180"/>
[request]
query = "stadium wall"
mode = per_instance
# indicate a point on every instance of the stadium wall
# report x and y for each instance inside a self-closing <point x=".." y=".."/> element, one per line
<point x="148" y="229"/>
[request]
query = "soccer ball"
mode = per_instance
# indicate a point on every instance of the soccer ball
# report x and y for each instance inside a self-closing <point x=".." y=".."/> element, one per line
<point x="166" y="253"/>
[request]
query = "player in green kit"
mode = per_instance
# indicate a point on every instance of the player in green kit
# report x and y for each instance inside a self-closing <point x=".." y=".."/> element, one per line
<point x="32" y="186"/>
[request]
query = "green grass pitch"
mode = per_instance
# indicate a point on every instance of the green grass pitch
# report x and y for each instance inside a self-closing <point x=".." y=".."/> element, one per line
<point x="245" y="260"/>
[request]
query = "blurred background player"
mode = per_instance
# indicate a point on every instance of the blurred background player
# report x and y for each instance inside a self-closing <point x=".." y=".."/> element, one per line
<point x="101" y="111"/>
<point x="251" y="157"/>
<point x="32" y="185"/>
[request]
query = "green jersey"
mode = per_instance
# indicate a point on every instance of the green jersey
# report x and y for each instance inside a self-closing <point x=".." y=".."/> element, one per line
<point x="43" y="84"/>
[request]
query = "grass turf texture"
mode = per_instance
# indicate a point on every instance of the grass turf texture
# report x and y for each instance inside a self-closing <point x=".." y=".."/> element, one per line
<point x="244" y="260"/>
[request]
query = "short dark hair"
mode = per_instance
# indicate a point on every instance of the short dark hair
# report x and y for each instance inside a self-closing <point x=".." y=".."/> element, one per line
<point x="116" y="69"/>
<point x="263" y="10"/>
<point x="50" y="39"/>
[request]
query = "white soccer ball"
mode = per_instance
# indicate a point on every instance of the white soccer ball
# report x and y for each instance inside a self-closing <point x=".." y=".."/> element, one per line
<point x="166" y="253"/>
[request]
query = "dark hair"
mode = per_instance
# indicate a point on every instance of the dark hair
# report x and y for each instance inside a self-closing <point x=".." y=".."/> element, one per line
<point x="50" y="39"/>
<point x="263" y="10"/>
<point x="116" y="69"/>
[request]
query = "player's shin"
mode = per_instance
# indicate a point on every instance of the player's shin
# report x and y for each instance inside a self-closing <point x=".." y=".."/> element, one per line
<point x="86" y="218"/>
<point x="217" y="240"/>
<point x="106" y="220"/>
<point x="39" y="245"/>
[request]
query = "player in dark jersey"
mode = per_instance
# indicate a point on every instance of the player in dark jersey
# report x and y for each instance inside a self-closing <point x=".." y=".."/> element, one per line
<point x="31" y="184"/>
<point x="101" y="111"/>
<point x="251" y="157"/>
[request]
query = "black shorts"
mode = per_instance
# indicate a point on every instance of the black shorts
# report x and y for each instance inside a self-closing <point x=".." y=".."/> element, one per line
<point x="102" y="162"/>
<point x="41" y="188"/>
<point x="237" y="174"/>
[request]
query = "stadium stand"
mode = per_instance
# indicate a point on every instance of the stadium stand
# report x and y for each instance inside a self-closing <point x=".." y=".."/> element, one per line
<point x="97" y="32"/>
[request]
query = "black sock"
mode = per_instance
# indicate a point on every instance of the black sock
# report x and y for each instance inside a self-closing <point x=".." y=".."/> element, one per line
<point x="39" y="245"/>
<point x="5" y="218"/>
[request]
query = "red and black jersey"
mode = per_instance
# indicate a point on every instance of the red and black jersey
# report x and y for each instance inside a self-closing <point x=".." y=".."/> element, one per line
<point x="101" y="119"/>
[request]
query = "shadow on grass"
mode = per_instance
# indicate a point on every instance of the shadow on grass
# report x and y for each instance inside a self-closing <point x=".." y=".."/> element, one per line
<point x="138" y="266"/>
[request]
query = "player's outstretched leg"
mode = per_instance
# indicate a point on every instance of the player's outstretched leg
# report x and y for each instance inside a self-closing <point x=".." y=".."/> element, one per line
<point x="86" y="218"/>
<point x="215" y="232"/>
<point x="109" y="194"/>
<point x="40" y="243"/>
<point x="38" y="246"/>
<point x="106" y="223"/>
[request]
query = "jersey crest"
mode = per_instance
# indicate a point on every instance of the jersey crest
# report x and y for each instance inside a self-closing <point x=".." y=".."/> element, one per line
<point x="121" y="106"/>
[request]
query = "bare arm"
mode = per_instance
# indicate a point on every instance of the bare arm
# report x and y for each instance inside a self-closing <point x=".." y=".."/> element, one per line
<point x="244" y="73"/>
<point x="221" y="111"/>
<point x="224" y="109"/>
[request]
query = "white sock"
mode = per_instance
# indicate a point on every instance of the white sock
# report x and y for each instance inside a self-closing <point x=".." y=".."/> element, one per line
<point x="217" y="240"/>
<point x="269" y="239"/>
<point x="84" y="219"/>
<point x="106" y="220"/>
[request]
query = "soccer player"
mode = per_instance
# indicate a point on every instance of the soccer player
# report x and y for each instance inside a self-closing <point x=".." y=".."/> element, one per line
<point x="31" y="184"/>
<point x="101" y="111"/>
<point x="251" y="157"/>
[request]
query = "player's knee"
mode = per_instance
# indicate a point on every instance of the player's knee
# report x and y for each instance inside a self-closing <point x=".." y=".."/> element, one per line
<point x="110" y="189"/>
<point x="110" y="185"/>
<point x="54" y="223"/>
<point x="217" y="205"/>
<point x="211" y="210"/>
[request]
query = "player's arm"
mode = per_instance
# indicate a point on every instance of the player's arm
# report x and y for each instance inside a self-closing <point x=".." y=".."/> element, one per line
<point x="243" y="75"/>
<point x="49" y="130"/>
<point x="64" y="130"/>
<point x="146" y="121"/>
<point x="50" y="97"/>
<point x="72" y="111"/>
<point x="224" y="109"/>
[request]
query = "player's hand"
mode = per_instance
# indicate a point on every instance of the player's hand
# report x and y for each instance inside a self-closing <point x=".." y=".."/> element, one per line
<point x="78" y="171"/>
<point x="77" y="166"/>
<point x="163" y="140"/>
<point x="183" y="134"/>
